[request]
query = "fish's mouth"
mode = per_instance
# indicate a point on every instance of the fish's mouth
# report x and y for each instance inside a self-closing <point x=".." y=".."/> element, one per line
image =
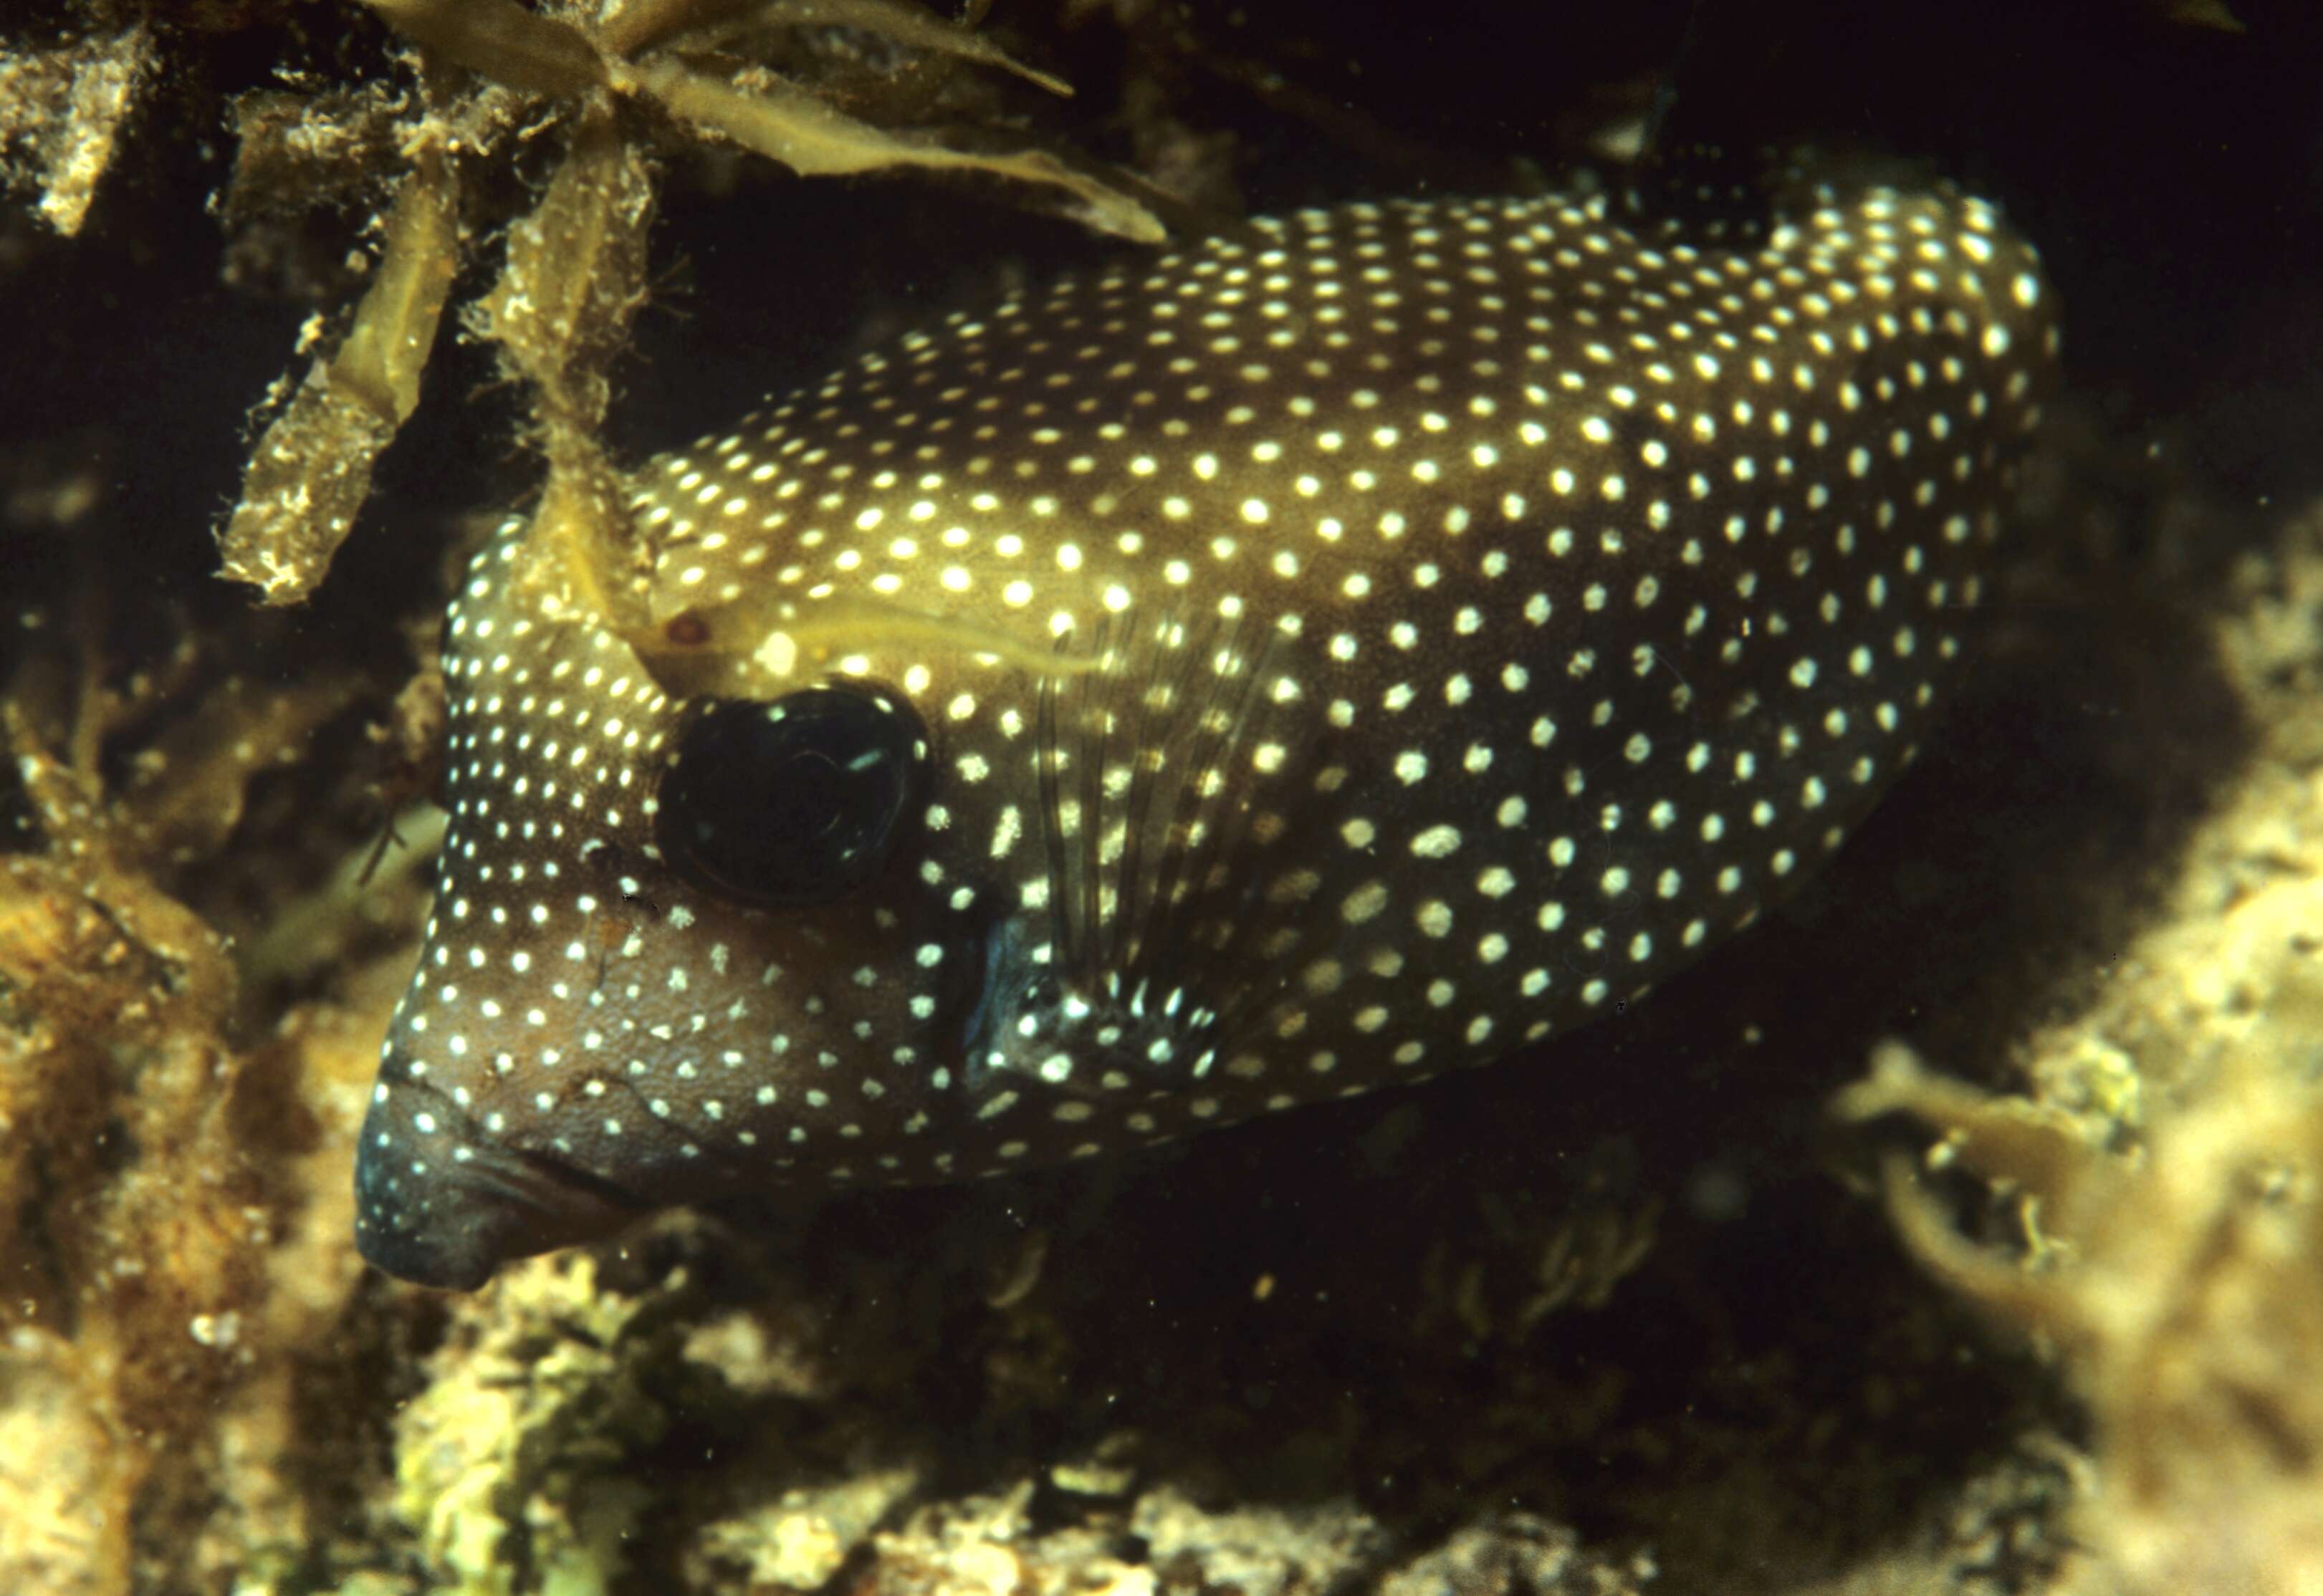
<point x="439" y="1206"/>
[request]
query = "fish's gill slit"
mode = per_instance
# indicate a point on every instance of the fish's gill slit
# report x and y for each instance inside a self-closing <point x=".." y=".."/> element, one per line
<point x="1231" y="843"/>
<point x="1171" y="886"/>
<point x="1048" y="756"/>
<point x="1144" y="772"/>
<point x="1095" y="728"/>
<point x="1155" y="867"/>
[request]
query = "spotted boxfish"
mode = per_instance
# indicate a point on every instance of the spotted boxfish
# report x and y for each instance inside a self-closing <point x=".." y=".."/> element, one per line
<point x="1354" y="646"/>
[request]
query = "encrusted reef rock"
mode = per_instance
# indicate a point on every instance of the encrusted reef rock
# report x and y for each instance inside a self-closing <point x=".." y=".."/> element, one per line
<point x="2160" y="1178"/>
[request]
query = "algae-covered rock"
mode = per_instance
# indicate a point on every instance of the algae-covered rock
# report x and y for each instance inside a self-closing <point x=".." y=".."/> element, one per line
<point x="513" y="1465"/>
<point x="1260" y="1551"/>
<point x="800" y="1540"/>
<point x="1517" y="1554"/>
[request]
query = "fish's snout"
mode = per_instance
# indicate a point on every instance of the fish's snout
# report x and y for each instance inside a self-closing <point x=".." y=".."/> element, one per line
<point x="438" y="1205"/>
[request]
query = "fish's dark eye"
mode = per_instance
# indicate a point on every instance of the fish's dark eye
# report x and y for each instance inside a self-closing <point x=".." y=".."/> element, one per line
<point x="800" y="801"/>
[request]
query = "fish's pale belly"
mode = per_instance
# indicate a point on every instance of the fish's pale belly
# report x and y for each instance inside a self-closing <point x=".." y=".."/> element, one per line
<point x="1264" y="673"/>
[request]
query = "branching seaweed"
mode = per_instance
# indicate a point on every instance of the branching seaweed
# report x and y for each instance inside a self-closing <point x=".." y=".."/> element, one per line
<point x="627" y="82"/>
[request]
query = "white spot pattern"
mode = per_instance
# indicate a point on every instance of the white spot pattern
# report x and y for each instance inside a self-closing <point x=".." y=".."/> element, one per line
<point x="1348" y="649"/>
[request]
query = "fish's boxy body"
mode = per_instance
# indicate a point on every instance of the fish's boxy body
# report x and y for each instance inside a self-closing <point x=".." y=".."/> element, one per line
<point x="1304" y="662"/>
